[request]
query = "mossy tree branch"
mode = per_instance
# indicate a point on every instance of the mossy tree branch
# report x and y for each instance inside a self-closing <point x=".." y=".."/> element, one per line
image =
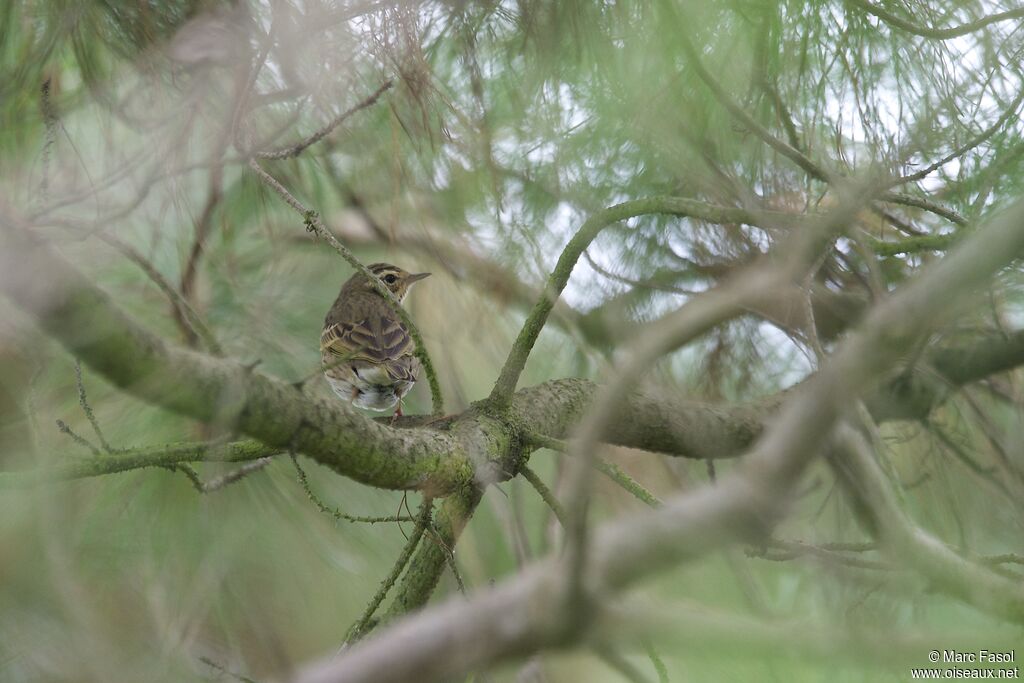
<point x="162" y="455"/>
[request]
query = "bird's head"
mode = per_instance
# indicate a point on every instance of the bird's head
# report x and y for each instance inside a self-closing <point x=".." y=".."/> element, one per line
<point x="394" y="278"/>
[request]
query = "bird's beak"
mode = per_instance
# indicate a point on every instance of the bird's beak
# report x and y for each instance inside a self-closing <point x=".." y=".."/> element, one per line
<point x="416" y="277"/>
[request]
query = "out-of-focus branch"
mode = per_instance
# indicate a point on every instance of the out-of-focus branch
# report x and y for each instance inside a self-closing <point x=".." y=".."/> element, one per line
<point x="925" y="204"/>
<point x="914" y="245"/>
<point x="1009" y="113"/>
<point x="297" y="149"/>
<point x="938" y="33"/>
<point x="834" y="312"/>
<point x="186" y="317"/>
<point x="788" y="264"/>
<point x="913" y="395"/>
<point x="696" y="628"/>
<point x="835" y="554"/>
<point x="202" y="233"/>
<point x="809" y="166"/>
<point x="973" y="582"/>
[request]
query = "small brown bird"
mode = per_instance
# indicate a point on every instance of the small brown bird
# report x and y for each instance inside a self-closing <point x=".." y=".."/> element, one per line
<point x="367" y="353"/>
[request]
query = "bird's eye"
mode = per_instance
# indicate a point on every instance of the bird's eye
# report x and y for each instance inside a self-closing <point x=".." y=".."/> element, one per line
<point x="390" y="279"/>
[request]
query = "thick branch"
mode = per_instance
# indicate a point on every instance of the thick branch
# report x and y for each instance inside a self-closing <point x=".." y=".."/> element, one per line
<point x="912" y="396"/>
<point x="90" y="326"/>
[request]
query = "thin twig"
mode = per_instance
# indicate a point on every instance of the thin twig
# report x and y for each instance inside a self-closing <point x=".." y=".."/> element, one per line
<point x="77" y="438"/>
<point x="50" y="139"/>
<point x="659" y="664"/>
<point x="615" y="473"/>
<point x="297" y="149"/>
<point x="813" y="169"/>
<point x="449" y="558"/>
<point x="834" y="553"/>
<point x="963" y="149"/>
<point x="543" y="441"/>
<point x="234" y="475"/>
<point x="124" y="460"/>
<point x="214" y="665"/>
<point x="190" y="473"/>
<point x="1007" y="558"/>
<point x="362" y="625"/>
<point x="610" y="470"/>
<point x="335" y="512"/>
<point x="87" y="409"/>
<point x="785" y="149"/>
<point x="544" y="492"/>
<point x="616" y="661"/>
<point x="188" y="320"/>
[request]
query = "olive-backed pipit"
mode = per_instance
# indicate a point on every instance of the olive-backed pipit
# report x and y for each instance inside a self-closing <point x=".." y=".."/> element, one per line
<point x="367" y="353"/>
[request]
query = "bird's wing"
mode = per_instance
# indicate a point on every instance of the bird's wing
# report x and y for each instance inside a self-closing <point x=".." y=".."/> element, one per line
<point x="378" y="341"/>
